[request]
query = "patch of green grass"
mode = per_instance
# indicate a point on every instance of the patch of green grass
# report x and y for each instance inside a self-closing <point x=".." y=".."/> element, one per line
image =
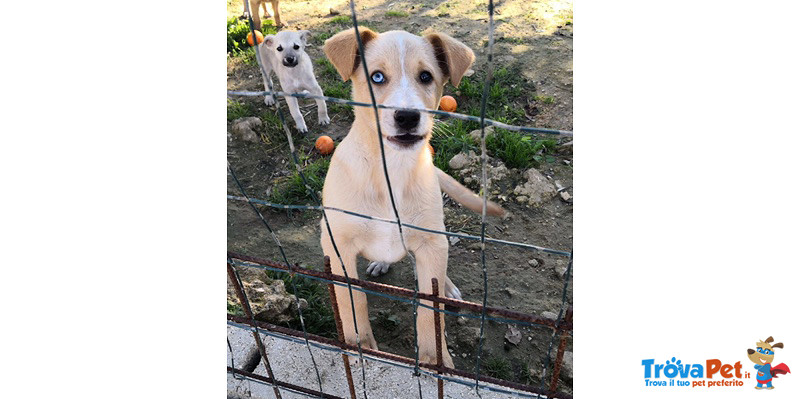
<point x="497" y="367"/>
<point x="395" y="13"/>
<point x="321" y="37"/>
<point x="318" y="316"/>
<point x="247" y="56"/>
<point x="506" y="90"/>
<point x="519" y="150"/>
<point x="544" y="99"/>
<point x="238" y="30"/>
<point x="340" y="20"/>
<point x="449" y="138"/>
<point x="272" y="132"/>
<point x="514" y="40"/>
<point x="238" y="110"/>
<point x="291" y="190"/>
<point x="235" y="309"/>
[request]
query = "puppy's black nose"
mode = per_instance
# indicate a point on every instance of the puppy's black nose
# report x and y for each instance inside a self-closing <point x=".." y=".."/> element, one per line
<point x="290" y="61"/>
<point x="406" y="119"/>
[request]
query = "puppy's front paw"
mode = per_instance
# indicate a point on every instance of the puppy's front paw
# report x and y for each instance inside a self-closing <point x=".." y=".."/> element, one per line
<point x="302" y="128"/>
<point x="447" y="360"/>
<point x="378" y="268"/>
<point x="269" y="101"/>
<point x="324" y="120"/>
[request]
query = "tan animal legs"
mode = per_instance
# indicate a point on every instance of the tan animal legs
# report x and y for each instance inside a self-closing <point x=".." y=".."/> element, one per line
<point x="343" y="296"/>
<point x="431" y="260"/>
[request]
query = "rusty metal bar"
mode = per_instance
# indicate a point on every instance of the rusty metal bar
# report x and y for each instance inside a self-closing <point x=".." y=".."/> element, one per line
<point x="562" y="346"/>
<point x="282" y="384"/>
<point x="403" y="292"/>
<point x="340" y="329"/>
<point x="249" y="312"/>
<point x="393" y="357"/>
<point x="437" y="327"/>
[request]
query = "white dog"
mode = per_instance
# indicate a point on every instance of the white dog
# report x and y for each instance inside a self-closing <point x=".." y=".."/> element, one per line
<point x="285" y="55"/>
<point x="406" y="71"/>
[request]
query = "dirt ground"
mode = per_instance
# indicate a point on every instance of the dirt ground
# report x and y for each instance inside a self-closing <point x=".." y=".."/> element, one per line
<point x="533" y="36"/>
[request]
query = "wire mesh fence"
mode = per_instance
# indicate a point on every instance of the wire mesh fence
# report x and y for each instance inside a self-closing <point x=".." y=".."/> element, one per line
<point x="561" y="327"/>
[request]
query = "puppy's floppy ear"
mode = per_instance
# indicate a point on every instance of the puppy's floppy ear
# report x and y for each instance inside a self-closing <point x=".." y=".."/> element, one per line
<point x="304" y="36"/>
<point x="268" y="40"/>
<point x="768" y="340"/>
<point x="342" y="50"/>
<point x="778" y="345"/>
<point x="454" y="57"/>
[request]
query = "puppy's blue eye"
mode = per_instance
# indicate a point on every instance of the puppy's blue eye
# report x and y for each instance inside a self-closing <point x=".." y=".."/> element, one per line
<point x="279" y="48"/>
<point x="760" y="350"/>
<point x="425" y="77"/>
<point x="378" y="77"/>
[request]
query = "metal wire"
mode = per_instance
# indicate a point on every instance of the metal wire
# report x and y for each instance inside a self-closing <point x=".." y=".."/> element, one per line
<point x="559" y="319"/>
<point x="380" y="360"/>
<point x="447" y="233"/>
<point x="487" y="121"/>
<point x="363" y="58"/>
<point x="313" y="194"/>
<point x="395" y="297"/>
<point x="286" y="260"/>
<point x="484" y="190"/>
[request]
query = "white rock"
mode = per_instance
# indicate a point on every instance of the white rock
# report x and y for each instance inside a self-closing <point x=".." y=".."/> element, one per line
<point x="536" y="187"/>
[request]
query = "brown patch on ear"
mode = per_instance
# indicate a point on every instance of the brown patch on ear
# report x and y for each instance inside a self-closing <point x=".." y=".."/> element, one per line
<point x="342" y="50"/>
<point x="768" y="340"/>
<point x="454" y="57"/>
<point x="778" y="345"/>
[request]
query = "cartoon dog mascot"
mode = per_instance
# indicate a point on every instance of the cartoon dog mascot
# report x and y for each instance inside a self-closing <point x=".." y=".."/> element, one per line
<point x="762" y="357"/>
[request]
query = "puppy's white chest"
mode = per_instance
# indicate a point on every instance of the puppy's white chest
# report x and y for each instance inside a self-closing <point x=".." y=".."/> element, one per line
<point x="383" y="243"/>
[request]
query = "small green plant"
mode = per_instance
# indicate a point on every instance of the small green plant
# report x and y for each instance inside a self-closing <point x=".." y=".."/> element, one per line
<point x="448" y="139"/>
<point x="291" y="190"/>
<point x="544" y="99"/>
<point x="339" y="20"/>
<point x="395" y="13"/>
<point x="235" y="309"/>
<point x="318" y="317"/>
<point x="238" y="110"/>
<point x="321" y="37"/>
<point x="238" y="30"/>
<point x="247" y="56"/>
<point x="498" y="367"/>
<point x="519" y="150"/>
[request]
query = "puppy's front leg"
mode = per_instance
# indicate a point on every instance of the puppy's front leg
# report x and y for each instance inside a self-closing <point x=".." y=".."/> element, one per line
<point x="431" y="260"/>
<point x="322" y="108"/>
<point x="343" y="294"/>
<point x="294" y="108"/>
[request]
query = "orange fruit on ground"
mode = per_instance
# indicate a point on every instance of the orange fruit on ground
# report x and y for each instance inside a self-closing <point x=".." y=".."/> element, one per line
<point x="324" y="145"/>
<point x="259" y="37"/>
<point x="430" y="148"/>
<point x="448" y="103"/>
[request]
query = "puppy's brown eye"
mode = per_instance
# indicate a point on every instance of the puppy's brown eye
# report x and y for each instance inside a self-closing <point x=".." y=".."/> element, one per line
<point x="425" y="77"/>
<point x="279" y="48"/>
<point x="296" y="47"/>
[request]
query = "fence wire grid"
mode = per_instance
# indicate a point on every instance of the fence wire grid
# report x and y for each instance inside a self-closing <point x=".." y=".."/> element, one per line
<point x="561" y="327"/>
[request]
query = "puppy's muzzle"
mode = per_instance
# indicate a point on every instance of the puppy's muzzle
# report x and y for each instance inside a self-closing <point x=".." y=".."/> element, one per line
<point x="406" y="122"/>
<point x="290" y="61"/>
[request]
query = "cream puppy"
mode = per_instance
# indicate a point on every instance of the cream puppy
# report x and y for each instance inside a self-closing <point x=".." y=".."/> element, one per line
<point x="405" y="71"/>
<point x="285" y="55"/>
